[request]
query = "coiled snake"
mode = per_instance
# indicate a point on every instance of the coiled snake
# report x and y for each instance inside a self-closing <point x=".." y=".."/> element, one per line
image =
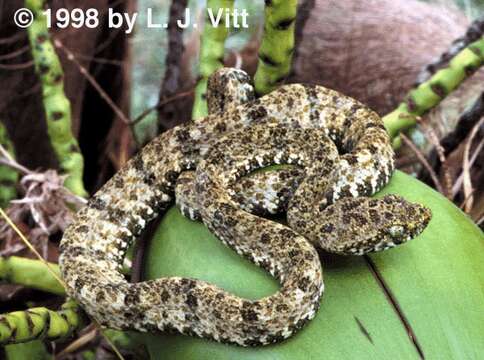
<point x="342" y="155"/>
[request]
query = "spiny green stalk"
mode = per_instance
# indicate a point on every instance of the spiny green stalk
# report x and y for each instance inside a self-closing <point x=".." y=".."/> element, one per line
<point x="40" y="324"/>
<point x="30" y="273"/>
<point x="277" y="47"/>
<point x="474" y="32"/>
<point x="8" y="176"/>
<point x="212" y="49"/>
<point x="57" y="106"/>
<point x="430" y="93"/>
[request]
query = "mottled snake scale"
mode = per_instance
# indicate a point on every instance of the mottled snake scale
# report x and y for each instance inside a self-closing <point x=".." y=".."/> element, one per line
<point x="341" y="155"/>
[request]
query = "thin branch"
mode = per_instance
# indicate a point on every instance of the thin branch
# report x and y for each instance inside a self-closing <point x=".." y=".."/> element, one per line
<point x="14" y="67"/>
<point x="15" y="53"/>
<point x="99" y="60"/>
<point x="464" y="125"/>
<point x="433" y="139"/>
<point x="90" y="335"/>
<point x="424" y="162"/>
<point x="17" y="36"/>
<point x="460" y="179"/>
<point x="5" y="153"/>
<point x="108" y="340"/>
<point x="13" y="165"/>
<point x="93" y="82"/>
<point x="7" y="160"/>
<point x="160" y="104"/>
<point x="466" y="171"/>
<point x="466" y="200"/>
<point x="480" y="221"/>
<point x="450" y="142"/>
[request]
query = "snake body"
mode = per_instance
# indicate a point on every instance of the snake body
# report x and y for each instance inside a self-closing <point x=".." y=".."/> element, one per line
<point x="342" y="154"/>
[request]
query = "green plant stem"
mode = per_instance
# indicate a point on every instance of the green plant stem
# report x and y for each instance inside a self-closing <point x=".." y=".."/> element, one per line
<point x="30" y="273"/>
<point x="430" y="93"/>
<point x="130" y="341"/>
<point x="57" y="106"/>
<point x="40" y="324"/>
<point x="212" y="49"/>
<point x="277" y="47"/>
<point x="8" y="176"/>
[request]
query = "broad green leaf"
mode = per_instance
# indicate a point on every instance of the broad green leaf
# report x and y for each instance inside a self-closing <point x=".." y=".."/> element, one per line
<point x="34" y="350"/>
<point x="437" y="281"/>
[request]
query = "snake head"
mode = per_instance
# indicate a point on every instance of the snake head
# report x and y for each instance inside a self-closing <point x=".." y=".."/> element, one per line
<point x="356" y="226"/>
<point x="401" y="220"/>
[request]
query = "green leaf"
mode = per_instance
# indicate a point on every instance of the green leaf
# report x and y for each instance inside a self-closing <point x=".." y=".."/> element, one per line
<point x="436" y="281"/>
<point x="34" y="350"/>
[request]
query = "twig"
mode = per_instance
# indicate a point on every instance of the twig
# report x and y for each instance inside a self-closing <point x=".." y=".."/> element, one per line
<point x="433" y="139"/>
<point x="17" y="36"/>
<point x="111" y="34"/>
<point x="100" y="60"/>
<point x="452" y="140"/>
<point x="464" y="125"/>
<point x="7" y="160"/>
<point x="5" y="153"/>
<point x="159" y="104"/>
<point x="460" y="179"/>
<point x="93" y="82"/>
<point x="480" y="221"/>
<point x="466" y="171"/>
<point x="14" y="67"/>
<point x="108" y="340"/>
<point x="90" y="335"/>
<point x="466" y="200"/>
<point x="46" y="201"/>
<point x="12" y="164"/>
<point x="12" y="249"/>
<point x="423" y="161"/>
<point x="15" y="53"/>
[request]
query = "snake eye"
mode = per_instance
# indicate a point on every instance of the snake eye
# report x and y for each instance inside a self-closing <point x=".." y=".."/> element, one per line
<point x="396" y="231"/>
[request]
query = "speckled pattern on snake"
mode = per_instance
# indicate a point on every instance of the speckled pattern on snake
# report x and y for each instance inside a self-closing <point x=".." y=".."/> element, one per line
<point x="342" y="155"/>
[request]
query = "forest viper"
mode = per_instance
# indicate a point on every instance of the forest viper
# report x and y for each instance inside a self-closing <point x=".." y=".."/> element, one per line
<point x="342" y="155"/>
